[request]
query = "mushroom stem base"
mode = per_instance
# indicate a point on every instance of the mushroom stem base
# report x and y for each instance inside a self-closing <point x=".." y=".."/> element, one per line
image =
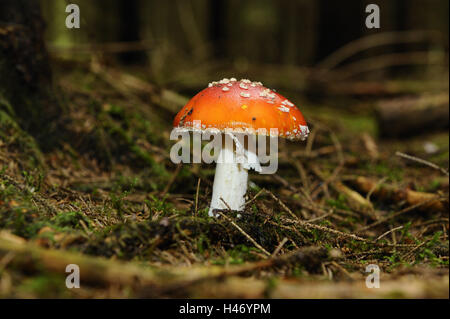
<point x="230" y="184"/>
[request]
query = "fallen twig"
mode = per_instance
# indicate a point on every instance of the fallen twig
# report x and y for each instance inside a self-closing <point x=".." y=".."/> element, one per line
<point x="388" y="232"/>
<point x="428" y="201"/>
<point x="242" y="231"/>
<point x="385" y="219"/>
<point x="422" y="161"/>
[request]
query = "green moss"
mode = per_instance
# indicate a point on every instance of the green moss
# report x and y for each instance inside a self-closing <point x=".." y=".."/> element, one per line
<point x="70" y="220"/>
<point x="340" y="202"/>
<point x="385" y="169"/>
<point x="353" y="123"/>
<point x="239" y="254"/>
<point x="20" y="142"/>
<point x="44" y="286"/>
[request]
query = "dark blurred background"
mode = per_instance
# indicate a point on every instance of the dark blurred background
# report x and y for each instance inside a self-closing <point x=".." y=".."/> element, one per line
<point x="318" y="52"/>
<point x="299" y="32"/>
<point x="185" y="39"/>
<point x="310" y="49"/>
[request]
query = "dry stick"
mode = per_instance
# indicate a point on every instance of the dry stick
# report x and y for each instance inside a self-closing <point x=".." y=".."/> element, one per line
<point x="394" y="237"/>
<point x="321" y="216"/>
<point x="125" y="84"/>
<point x="241" y="230"/>
<point x="381" y="62"/>
<point x="293" y="189"/>
<point x="310" y="142"/>
<point x="108" y="47"/>
<point x="298" y="191"/>
<point x="282" y="204"/>
<point x="308" y="225"/>
<point x="375" y="40"/>
<point x="172" y="180"/>
<point x="245" y="234"/>
<point x="99" y="270"/>
<point x="389" y="192"/>
<point x="388" y="232"/>
<point x="433" y="221"/>
<point x="409" y="253"/>
<point x="342" y="269"/>
<point x="196" y="196"/>
<point x="313" y="206"/>
<point x="371" y="146"/>
<point x="405" y="210"/>
<point x="326" y="211"/>
<point x="280" y="245"/>
<point x="381" y="181"/>
<point x="343" y="189"/>
<point x="323" y="185"/>
<point x="255" y="197"/>
<point x="422" y="161"/>
<point x="284" y="182"/>
<point x="352" y="195"/>
<point x="197" y="174"/>
<point x="326" y="230"/>
<point x="30" y="257"/>
<point x="314" y="226"/>
<point x="365" y="253"/>
<point x="301" y="171"/>
<point x="338" y="168"/>
<point x="6" y="260"/>
<point x="305" y="196"/>
<point x="325" y="150"/>
<point x="301" y="256"/>
<point x="293" y="229"/>
<point x="339" y="151"/>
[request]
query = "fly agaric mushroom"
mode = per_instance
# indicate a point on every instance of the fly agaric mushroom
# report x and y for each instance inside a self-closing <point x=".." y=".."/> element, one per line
<point x="239" y="106"/>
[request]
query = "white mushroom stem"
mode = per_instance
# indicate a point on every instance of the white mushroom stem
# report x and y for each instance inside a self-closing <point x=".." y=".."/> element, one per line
<point x="230" y="184"/>
<point x="231" y="177"/>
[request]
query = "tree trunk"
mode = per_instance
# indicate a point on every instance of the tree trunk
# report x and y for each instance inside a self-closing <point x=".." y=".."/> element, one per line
<point x="129" y="30"/>
<point x="25" y="74"/>
<point x="404" y="117"/>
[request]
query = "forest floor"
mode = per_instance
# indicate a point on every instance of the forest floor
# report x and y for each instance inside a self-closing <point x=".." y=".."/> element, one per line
<point x="109" y="200"/>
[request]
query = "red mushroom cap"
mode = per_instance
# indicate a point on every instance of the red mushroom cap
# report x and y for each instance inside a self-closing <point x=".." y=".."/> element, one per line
<point x="243" y="106"/>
